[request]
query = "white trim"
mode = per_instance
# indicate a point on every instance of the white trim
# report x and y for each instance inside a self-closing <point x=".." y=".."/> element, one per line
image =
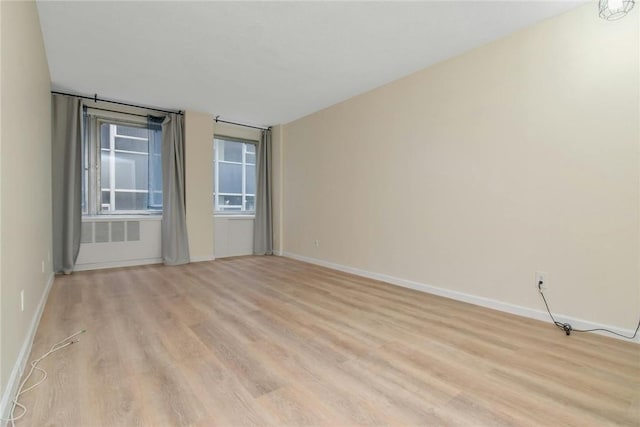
<point x="239" y="215"/>
<point x="472" y="299"/>
<point x="121" y="217"/>
<point x="116" y="264"/>
<point x="23" y="356"/>
<point x="127" y="118"/>
<point x="202" y="258"/>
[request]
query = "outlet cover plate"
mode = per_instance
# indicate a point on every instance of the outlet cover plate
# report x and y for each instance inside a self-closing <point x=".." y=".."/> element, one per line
<point x="543" y="277"/>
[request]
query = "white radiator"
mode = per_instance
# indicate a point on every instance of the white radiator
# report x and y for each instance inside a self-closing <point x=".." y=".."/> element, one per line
<point x="110" y="231"/>
<point x="119" y="242"/>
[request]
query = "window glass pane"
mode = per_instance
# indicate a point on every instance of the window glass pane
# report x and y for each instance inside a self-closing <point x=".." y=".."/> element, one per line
<point x="235" y="191"/>
<point x="131" y="201"/>
<point x="128" y="144"/>
<point x="230" y="151"/>
<point x="230" y="202"/>
<point x="155" y="168"/>
<point x="251" y="179"/>
<point x="132" y="131"/>
<point x="104" y="135"/>
<point x="140" y="170"/>
<point x="85" y="162"/>
<point x="250" y="204"/>
<point x="105" y="168"/>
<point x="155" y="200"/>
<point x="131" y="171"/>
<point x="230" y="178"/>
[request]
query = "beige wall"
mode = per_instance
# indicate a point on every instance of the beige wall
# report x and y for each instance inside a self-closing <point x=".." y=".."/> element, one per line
<point x="199" y="184"/>
<point x="25" y="176"/>
<point x="471" y="175"/>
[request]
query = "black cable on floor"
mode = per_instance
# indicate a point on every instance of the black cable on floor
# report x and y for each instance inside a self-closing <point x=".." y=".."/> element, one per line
<point x="567" y="328"/>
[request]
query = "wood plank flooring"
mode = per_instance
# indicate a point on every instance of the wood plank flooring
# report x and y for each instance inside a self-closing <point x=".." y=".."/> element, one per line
<point x="270" y="341"/>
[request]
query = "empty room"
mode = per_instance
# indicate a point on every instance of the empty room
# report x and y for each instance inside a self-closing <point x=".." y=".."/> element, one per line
<point x="323" y="213"/>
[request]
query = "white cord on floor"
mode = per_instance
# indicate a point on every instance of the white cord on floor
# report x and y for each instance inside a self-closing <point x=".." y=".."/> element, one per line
<point x="34" y="367"/>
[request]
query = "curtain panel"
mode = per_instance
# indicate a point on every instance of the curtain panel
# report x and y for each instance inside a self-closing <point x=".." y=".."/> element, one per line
<point x="175" y="242"/>
<point x="263" y="223"/>
<point x="66" y="180"/>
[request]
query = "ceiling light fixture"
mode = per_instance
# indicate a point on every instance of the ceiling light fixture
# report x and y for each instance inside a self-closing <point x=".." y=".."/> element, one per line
<point x="612" y="10"/>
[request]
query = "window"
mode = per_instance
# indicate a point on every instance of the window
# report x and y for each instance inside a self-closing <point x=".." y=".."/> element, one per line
<point x="122" y="166"/>
<point x="234" y="175"/>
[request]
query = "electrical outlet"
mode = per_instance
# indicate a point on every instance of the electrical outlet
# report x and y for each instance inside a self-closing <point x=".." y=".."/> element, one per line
<point x="542" y="277"/>
<point x="22" y="300"/>
<point x="43" y="266"/>
<point x="316" y="243"/>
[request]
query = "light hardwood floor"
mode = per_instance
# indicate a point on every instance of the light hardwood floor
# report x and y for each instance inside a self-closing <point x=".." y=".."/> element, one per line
<point x="272" y="341"/>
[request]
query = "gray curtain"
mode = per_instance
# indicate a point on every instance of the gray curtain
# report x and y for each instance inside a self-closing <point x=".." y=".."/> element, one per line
<point x="263" y="225"/>
<point x="66" y="180"/>
<point x="175" y="243"/>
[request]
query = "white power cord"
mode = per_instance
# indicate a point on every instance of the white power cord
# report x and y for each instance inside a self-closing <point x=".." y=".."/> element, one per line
<point x="34" y="367"/>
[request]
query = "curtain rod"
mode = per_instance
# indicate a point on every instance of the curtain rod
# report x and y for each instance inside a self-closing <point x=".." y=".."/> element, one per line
<point x="119" y="112"/>
<point x="219" y="120"/>
<point x="96" y="99"/>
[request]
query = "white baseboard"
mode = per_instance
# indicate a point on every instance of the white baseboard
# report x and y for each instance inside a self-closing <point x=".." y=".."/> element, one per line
<point x="202" y="258"/>
<point x="23" y="356"/>
<point x="115" y="264"/>
<point x="472" y="299"/>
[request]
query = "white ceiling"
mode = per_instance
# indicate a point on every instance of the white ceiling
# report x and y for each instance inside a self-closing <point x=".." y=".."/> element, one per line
<point x="262" y="62"/>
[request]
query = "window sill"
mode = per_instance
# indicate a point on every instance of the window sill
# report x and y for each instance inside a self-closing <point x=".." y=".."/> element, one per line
<point x="123" y="217"/>
<point x="234" y="216"/>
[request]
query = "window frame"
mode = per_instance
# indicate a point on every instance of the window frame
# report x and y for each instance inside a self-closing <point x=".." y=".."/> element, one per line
<point x="92" y="163"/>
<point x="216" y="161"/>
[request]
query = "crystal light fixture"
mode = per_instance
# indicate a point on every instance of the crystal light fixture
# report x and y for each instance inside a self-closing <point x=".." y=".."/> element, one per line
<point x="612" y="10"/>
